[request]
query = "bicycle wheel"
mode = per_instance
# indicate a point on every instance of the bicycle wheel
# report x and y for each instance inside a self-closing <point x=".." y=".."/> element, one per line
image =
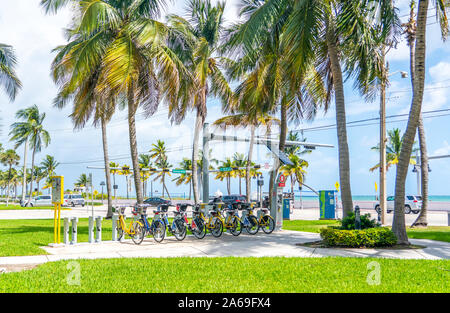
<point x="218" y="228"/>
<point x="236" y="229"/>
<point x="200" y="231"/>
<point x="139" y="233"/>
<point x="253" y="226"/>
<point x="120" y="232"/>
<point x="267" y="224"/>
<point x="180" y="231"/>
<point x="159" y="231"/>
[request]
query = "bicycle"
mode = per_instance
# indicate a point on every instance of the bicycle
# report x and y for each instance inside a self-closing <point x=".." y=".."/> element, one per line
<point x="133" y="231"/>
<point x="265" y="221"/>
<point x="178" y="226"/>
<point x="248" y="220"/>
<point x="231" y="221"/>
<point x="213" y="223"/>
<point x="156" y="228"/>
<point x="197" y="227"/>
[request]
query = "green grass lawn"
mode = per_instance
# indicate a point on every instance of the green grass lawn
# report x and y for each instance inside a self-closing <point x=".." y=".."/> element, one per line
<point x="18" y="207"/>
<point x="229" y="275"/>
<point x="25" y="237"/>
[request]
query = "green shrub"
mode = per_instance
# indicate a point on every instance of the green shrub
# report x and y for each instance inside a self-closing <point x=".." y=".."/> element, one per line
<point x="348" y="222"/>
<point x="371" y="237"/>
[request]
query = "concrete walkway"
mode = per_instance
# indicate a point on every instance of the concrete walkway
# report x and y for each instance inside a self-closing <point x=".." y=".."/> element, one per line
<point x="282" y="244"/>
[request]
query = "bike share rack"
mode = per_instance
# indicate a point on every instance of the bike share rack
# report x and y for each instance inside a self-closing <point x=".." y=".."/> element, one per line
<point x="71" y="230"/>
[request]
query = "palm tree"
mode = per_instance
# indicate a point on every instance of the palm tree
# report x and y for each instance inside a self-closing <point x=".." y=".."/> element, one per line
<point x="114" y="170"/>
<point x="226" y="175"/>
<point x="164" y="166"/>
<point x="83" y="181"/>
<point x="318" y="37"/>
<point x="239" y="161"/>
<point x="126" y="172"/>
<point x="158" y="151"/>
<point x="32" y="132"/>
<point x="186" y="178"/>
<point x="49" y="165"/>
<point x="121" y="47"/>
<point x="38" y="174"/>
<point x="196" y="41"/>
<point x="296" y="171"/>
<point x="418" y="65"/>
<point x="8" y="78"/>
<point x="145" y="164"/>
<point x="9" y="158"/>
<point x="393" y="148"/>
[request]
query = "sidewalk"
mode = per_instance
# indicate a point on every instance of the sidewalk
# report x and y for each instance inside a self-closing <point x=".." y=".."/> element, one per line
<point x="281" y="244"/>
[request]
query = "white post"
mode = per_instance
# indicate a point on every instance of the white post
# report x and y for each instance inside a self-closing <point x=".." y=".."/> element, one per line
<point x="91" y="229"/>
<point x="66" y="230"/>
<point x="98" y="233"/>
<point x="74" y="230"/>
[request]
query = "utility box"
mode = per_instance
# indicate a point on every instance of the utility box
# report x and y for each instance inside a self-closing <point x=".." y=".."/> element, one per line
<point x="327" y="202"/>
<point x="288" y="205"/>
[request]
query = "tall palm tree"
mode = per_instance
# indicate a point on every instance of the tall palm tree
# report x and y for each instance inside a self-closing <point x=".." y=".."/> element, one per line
<point x="38" y="174"/>
<point x="398" y="224"/>
<point x="196" y="40"/>
<point x="319" y="38"/>
<point x="122" y="48"/>
<point x="33" y="132"/>
<point x="239" y="161"/>
<point x="145" y="164"/>
<point x="9" y="158"/>
<point x="8" y="77"/>
<point x="393" y="148"/>
<point x="164" y="165"/>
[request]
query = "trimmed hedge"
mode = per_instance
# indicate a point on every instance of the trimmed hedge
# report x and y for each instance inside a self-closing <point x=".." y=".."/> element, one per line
<point x="368" y="238"/>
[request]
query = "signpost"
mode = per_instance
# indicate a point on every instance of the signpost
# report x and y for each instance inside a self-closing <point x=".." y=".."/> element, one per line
<point x="57" y="200"/>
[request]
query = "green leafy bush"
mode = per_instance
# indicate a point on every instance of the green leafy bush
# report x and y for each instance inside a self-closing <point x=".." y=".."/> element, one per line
<point x="371" y="237"/>
<point x="348" y="222"/>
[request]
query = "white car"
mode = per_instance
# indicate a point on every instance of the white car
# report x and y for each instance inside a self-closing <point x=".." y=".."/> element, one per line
<point x="412" y="204"/>
<point x="73" y="200"/>
<point x="41" y="201"/>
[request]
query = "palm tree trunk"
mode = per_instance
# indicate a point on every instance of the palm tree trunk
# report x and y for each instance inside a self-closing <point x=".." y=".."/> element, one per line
<point x="132" y="107"/>
<point x="198" y="127"/>
<point x="24" y="179"/>
<point x="107" y="167"/>
<point x="31" y="180"/>
<point x="422" y="218"/>
<point x="344" y="158"/>
<point x="398" y="226"/>
<point x="248" y="182"/>
<point x="9" y="183"/>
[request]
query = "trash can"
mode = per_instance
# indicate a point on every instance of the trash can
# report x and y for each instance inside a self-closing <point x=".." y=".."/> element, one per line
<point x="327" y="204"/>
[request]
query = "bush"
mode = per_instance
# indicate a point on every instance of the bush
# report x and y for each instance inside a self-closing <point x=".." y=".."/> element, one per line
<point x="371" y="237"/>
<point x="348" y="222"/>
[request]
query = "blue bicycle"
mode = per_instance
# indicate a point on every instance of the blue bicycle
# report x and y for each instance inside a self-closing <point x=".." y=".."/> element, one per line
<point x="178" y="227"/>
<point x="156" y="228"/>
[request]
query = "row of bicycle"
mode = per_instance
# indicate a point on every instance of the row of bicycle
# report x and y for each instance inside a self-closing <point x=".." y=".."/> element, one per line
<point x="217" y="219"/>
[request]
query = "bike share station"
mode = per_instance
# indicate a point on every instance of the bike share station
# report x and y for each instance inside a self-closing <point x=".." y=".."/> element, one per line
<point x="281" y="207"/>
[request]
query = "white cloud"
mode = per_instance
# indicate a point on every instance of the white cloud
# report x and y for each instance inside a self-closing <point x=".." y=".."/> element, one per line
<point x="444" y="150"/>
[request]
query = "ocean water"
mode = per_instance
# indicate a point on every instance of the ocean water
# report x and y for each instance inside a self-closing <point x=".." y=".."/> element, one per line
<point x="370" y="198"/>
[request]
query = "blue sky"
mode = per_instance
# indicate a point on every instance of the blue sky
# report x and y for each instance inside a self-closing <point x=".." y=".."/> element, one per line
<point x="33" y="34"/>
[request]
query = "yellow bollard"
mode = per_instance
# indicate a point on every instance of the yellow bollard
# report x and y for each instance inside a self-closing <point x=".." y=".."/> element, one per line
<point x="59" y="223"/>
<point x="55" y="239"/>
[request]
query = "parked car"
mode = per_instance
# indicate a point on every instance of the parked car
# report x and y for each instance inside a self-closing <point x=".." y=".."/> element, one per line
<point x="412" y="204"/>
<point x="41" y="201"/>
<point x="26" y="200"/>
<point x="74" y="200"/>
<point x="155" y="201"/>
<point x="231" y="199"/>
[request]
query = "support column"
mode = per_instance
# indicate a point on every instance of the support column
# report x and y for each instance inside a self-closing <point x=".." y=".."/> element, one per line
<point x="205" y="162"/>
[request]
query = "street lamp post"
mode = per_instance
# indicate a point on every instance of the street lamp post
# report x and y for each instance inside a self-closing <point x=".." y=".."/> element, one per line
<point x="383" y="139"/>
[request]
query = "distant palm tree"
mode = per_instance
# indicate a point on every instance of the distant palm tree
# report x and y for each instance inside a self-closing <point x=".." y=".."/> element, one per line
<point x="239" y="161"/>
<point x="82" y="181"/>
<point x="9" y="158"/>
<point x="145" y="163"/>
<point x="32" y="132"/>
<point x="113" y="170"/>
<point x="296" y="171"/>
<point x="8" y="78"/>
<point x="226" y="175"/>
<point x="393" y="149"/>
<point x="164" y="166"/>
<point x="49" y="165"/>
<point x="186" y="178"/>
<point x="126" y="172"/>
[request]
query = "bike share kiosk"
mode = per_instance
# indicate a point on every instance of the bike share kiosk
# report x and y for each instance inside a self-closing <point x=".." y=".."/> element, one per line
<point x="327" y="201"/>
<point x="57" y="200"/>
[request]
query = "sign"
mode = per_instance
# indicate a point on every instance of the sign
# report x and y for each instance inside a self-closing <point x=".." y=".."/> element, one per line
<point x="337" y="186"/>
<point x="376" y="187"/>
<point x="179" y="171"/>
<point x="57" y="189"/>
<point x="225" y="169"/>
<point x="281" y="181"/>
